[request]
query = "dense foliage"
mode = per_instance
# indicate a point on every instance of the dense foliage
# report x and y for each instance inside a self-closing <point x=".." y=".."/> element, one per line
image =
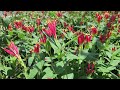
<point x="60" y="45"/>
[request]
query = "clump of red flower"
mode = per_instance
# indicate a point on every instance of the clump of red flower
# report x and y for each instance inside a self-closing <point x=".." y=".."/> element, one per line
<point x="12" y="50"/>
<point x="38" y="21"/>
<point x="59" y="14"/>
<point x="90" y="68"/>
<point x="94" y="30"/>
<point x="18" y="24"/>
<point x="51" y="31"/>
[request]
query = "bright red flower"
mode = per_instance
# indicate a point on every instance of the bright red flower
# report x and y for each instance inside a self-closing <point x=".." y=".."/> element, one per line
<point x="36" y="48"/>
<point x="102" y="38"/>
<point x="12" y="50"/>
<point x="65" y="24"/>
<point x="97" y="14"/>
<point x="94" y="30"/>
<point x="43" y="39"/>
<point x="31" y="29"/>
<point x="59" y="14"/>
<point x="113" y="49"/>
<point x="108" y="34"/>
<point x="90" y="68"/>
<point x="119" y="31"/>
<point x="106" y="15"/>
<point x="51" y="29"/>
<point x="18" y="24"/>
<point x="88" y="38"/>
<point x="38" y="22"/>
<point x="10" y="27"/>
<point x="119" y="20"/>
<point x="99" y="18"/>
<point x="113" y="17"/>
<point x="108" y="24"/>
<point x="70" y="28"/>
<point x="81" y="23"/>
<point x="81" y="38"/>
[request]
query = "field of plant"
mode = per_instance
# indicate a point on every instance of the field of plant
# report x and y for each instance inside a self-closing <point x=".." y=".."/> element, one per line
<point x="59" y="45"/>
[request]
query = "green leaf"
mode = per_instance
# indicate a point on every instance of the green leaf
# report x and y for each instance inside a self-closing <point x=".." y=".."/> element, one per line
<point x="116" y="52"/>
<point x="71" y="56"/>
<point x="32" y="73"/>
<point x="59" y="67"/>
<point x="103" y="69"/>
<point x="58" y="43"/>
<point x="56" y="49"/>
<point x="6" y="69"/>
<point x="1" y="67"/>
<point x="48" y="73"/>
<point x="21" y="34"/>
<point x="40" y="64"/>
<point x="109" y="54"/>
<point x="111" y="68"/>
<point x="68" y="76"/>
<point x="30" y="60"/>
<point x="114" y="62"/>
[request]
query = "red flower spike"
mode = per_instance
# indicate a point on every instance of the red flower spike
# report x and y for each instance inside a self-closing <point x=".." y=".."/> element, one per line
<point x="52" y="29"/>
<point x="106" y="15"/>
<point x="31" y="29"/>
<point x="113" y="49"/>
<point x="59" y="14"/>
<point x="65" y="24"/>
<point x="99" y="18"/>
<point x="88" y="38"/>
<point x="109" y="25"/>
<point x="119" y="31"/>
<point x="36" y="48"/>
<point x="94" y="30"/>
<point x="70" y="28"/>
<point x="18" y="24"/>
<point x="119" y="20"/>
<point x="113" y="17"/>
<point x="38" y="22"/>
<point x="108" y="34"/>
<point x="92" y="66"/>
<point x="13" y="50"/>
<point x="81" y="39"/>
<point x="102" y="38"/>
<point x="43" y="39"/>
<point x="10" y="27"/>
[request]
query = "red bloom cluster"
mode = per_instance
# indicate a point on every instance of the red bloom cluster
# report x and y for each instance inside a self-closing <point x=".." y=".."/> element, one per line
<point x="113" y="49"/>
<point x="12" y="50"/>
<point x="51" y="29"/>
<point x="94" y="30"/>
<point x="36" y="48"/>
<point x="70" y="28"/>
<point x="29" y="29"/>
<point x="65" y="24"/>
<point x="90" y="68"/>
<point x="103" y="38"/>
<point x="109" y="25"/>
<point x="118" y="31"/>
<point x="59" y="14"/>
<point x="99" y="17"/>
<point x="43" y="39"/>
<point x="106" y="15"/>
<point x="10" y="27"/>
<point x="38" y="22"/>
<point x="18" y="24"/>
<point x="84" y="38"/>
<point x="113" y="17"/>
<point x="81" y="39"/>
